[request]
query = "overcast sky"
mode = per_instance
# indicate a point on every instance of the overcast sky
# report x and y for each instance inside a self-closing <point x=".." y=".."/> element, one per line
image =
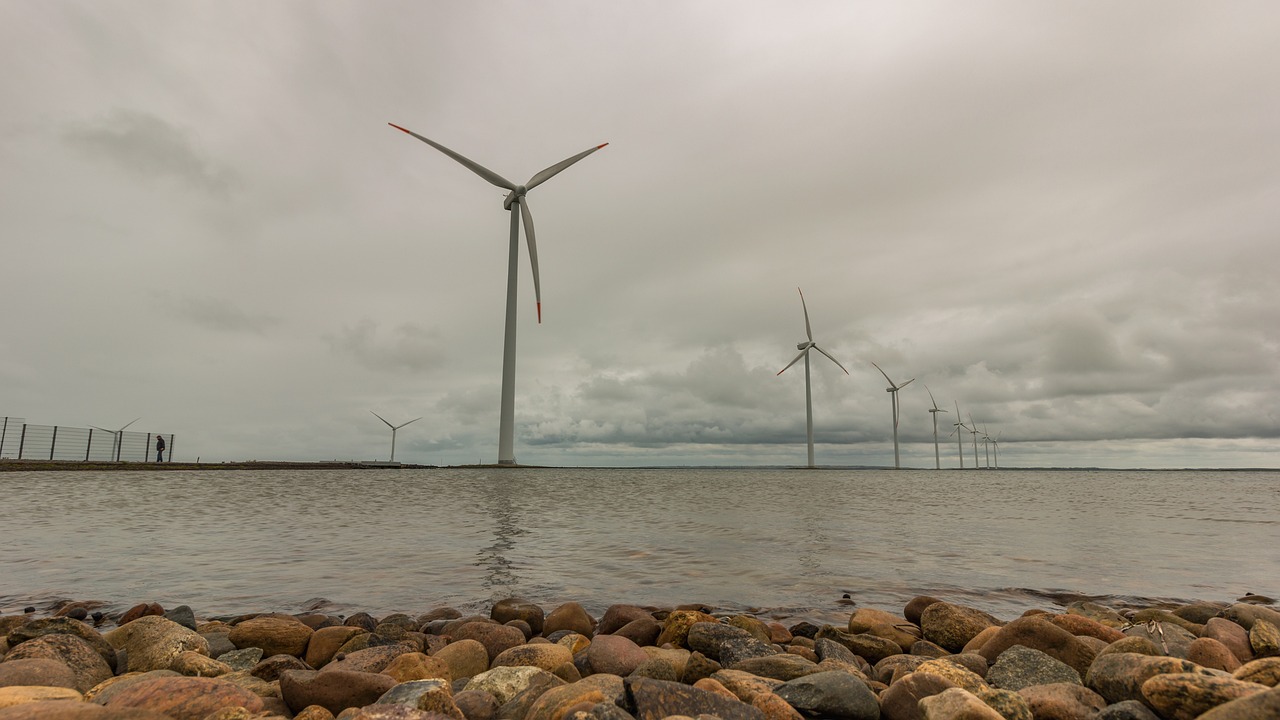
<point x="1062" y="216"/>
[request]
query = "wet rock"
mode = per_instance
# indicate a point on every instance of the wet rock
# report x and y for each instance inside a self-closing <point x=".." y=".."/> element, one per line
<point x="656" y="699"/>
<point x="1040" y="634"/>
<point x="725" y="644"/>
<point x="744" y="685"/>
<point x="774" y="707"/>
<point x="1264" y="638"/>
<point x="1259" y="706"/>
<point x="1139" y="645"/>
<point x="1200" y="612"/>
<point x="36" y="671"/>
<point x="23" y="694"/>
<point x="362" y="620"/>
<point x="275" y="634"/>
<point x="465" y="658"/>
<point x="430" y="695"/>
<point x="1230" y="634"/>
<point x="1264" y="671"/>
<point x="1009" y="704"/>
<point x="504" y="683"/>
<point x="615" y="655"/>
<point x="1159" y="615"/>
<point x="86" y="665"/>
<point x="183" y="615"/>
<point x="324" y="643"/>
<point x="1173" y="640"/>
<point x="641" y="631"/>
<point x="754" y="626"/>
<point x="782" y="667"/>
<point x="1184" y="696"/>
<point x="495" y="638"/>
<point x="475" y="704"/>
<point x="951" y="626"/>
<point x="269" y="669"/>
<point x="873" y="649"/>
<point x="63" y="626"/>
<point x="75" y="710"/>
<point x="676" y="628"/>
<point x="1120" y="676"/>
<point x="1245" y="614"/>
<point x="545" y="656"/>
<point x="957" y="704"/>
<point x="370" y="660"/>
<point x="1098" y="613"/>
<point x="1020" y="667"/>
<point x="417" y="666"/>
<point x="890" y="669"/>
<point x="105" y="690"/>
<point x="596" y="689"/>
<point x="830" y="694"/>
<point x="1209" y="653"/>
<point x="569" y="616"/>
<point x="1127" y="710"/>
<point x="1067" y="701"/>
<point x="698" y="666"/>
<point x="139" y="611"/>
<point x="515" y="608"/>
<point x="241" y="659"/>
<point x="193" y="664"/>
<point x="901" y="700"/>
<point x="958" y="674"/>
<point x="779" y="634"/>
<point x="619" y="616"/>
<point x="334" y="690"/>
<point x="925" y="648"/>
<point x="916" y="607"/>
<point x="152" y="642"/>
<point x="1080" y="625"/>
<point x="219" y="643"/>
<point x="185" y="698"/>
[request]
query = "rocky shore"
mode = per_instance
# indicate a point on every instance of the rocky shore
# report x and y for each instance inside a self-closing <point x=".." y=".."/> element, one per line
<point x="931" y="659"/>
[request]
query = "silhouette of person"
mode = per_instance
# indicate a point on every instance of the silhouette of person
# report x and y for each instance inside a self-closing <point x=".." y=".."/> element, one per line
<point x="159" y="448"/>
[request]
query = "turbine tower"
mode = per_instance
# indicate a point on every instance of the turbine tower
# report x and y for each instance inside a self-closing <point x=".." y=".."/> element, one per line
<point x="517" y="203"/>
<point x="973" y="430"/>
<point x="893" y="393"/>
<point x="986" y="445"/>
<point x="117" y="438"/>
<point x="804" y="348"/>
<point x="995" y="446"/>
<point x="959" y="425"/>
<point x="933" y="412"/>
<point x="394" y="428"/>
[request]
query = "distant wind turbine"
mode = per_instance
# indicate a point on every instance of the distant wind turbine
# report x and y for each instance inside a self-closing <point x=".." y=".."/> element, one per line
<point x="933" y="412"/>
<point x="995" y="446"/>
<point x="394" y="428"/>
<point x="517" y="203"/>
<point x="959" y="425"/>
<point x="117" y="437"/>
<point x="986" y="445"/>
<point x="804" y="348"/>
<point x="973" y="430"/>
<point x="893" y="393"/>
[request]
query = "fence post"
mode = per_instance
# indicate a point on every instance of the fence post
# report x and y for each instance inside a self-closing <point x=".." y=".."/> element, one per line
<point x="22" y="442"/>
<point x="170" y="449"/>
<point x="53" y="444"/>
<point x="4" y="433"/>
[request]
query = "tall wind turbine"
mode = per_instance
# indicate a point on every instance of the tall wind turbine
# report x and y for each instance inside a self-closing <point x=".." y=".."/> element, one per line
<point x="933" y="412"/>
<point x="995" y="445"/>
<point x="986" y="445"/>
<point x="394" y="428"/>
<point x="117" y="437"/>
<point x="804" y="348"/>
<point x="973" y="430"/>
<point x="893" y="393"/>
<point x="958" y="426"/>
<point x="517" y="203"/>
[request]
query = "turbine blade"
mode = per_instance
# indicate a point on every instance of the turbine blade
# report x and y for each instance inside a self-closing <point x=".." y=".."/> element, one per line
<point x="886" y="377"/>
<point x="533" y="253"/>
<point x="552" y="171"/>
<point x="906" y="383"/>
<point x="129" y="423"/>
<point x="935" y="402"/>
<point x="484" y="172"/>
<point x="406" y="423"/>
<point x="837" y="362"/>
<point x="808" y="332"/>
<point x="793" y="362"/>
<point x="393" y="427"/>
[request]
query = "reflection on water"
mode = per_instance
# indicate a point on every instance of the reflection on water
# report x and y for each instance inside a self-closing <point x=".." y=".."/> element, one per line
<point x="789" y="543"/>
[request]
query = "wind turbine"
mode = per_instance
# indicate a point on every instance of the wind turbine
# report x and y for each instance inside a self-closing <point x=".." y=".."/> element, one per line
<point x="117" y="437"/>
<point x="893" y="393"/>
<point x="519" y="207"/>
<point x="959" y="425"/>
<point x="995" y="443"/>
<point x="933" y="412"/>
<point x="804" y="348"/>
<point x="394" y="428"/>
<point x="973" y="430"/>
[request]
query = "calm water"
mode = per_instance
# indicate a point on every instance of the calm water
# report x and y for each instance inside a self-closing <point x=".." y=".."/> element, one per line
<point x="785" y="543"/>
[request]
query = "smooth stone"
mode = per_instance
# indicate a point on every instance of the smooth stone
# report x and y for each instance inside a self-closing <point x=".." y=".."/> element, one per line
<point x="617" y="617"/>
<point x="1126" y="710"/>
<point x="76" y="710"/>
<point x="1230" y="634"/>
<point x="641" y="631"/>
<point x="1098" y="613"/>
<point x="430" y="695"/>
<point x="193" y="664"/>
<point x="417" y="666"/>
<point x="698" y="666"/>
<point x="63" y="626"/>
<point x="36" y="671"/>
<point x="569" y="616"/>
<point x="676" y="628"/>
<point x="515" y="608"/>
<point x="1245" y="614"/>
<point x="22" y="694"/>
<point x="782" y="667"/>
<point x="1259" y="706"/>
<point x="615" y="654"/>
<point x="1040" y="634"/>
<point x="504" y="683"/>
<point x="86" y="665"/>
<point x="1264" y="671"/>
<point x="864" y="619"/>
<point x="362" y="620"/>
<point x="1080" y="625"/>
<point x="714" y="686"/>
<point x="324" y="643"/>
<point x="957" y="704"/>
<point x="1139" y="645"/>
<point x="890" y="669"/>
<point x="744" y="685"/>
<point x="927" y="649"/>
<point x="152" y="642"/>
<point x="275" y="634"/>
<point x="518" y="706"/>
<point x="952" y="626"/>
<point x="779" y="634"/>
<point x="183" y="615"/>
<point x="105" y="690"/>
<point x="242" y="659"/>
<point x="596" y="689"/>
<point x="1264" y="638"/>
<point x="869" y="647"/>
<point x="475" y="705"/>
<point x="1210" y="653"/>
<point x="334" y="690"/>
<point x="269" y="669"/>
<point x="1066" y="700"/>
<point x="1148" y="615"/>
<point x="1184" y="696"/>
<point x="1020" y="667"/>
<point x="1200" y="612"/>
<point x="1120" y="676"/>
<point x="465" y="658"/>
<point x="219" y="643"/>
<point x="388" y="712"/>
<point x="545" y="656"/>
<point x="774" y="707"/>
<point x="657" y="699"/>
<point x="831" y="694"/>
<point x="257" y="686"/>
<point x="495" y="638"/>
<point x="916" y="607"/>
<point x="726" y="644"/>
<point x="901" y="701"/>
<point x="753" y="625"/>
<point x="369" y="660"/>
<point x="185" y="698"/>
<point x="1173" y="640"/>
<point x="958" y="674"/>
<point x="140" y="610"/>
<point x="827" y="647"/>
<point x="1009" y="704"/>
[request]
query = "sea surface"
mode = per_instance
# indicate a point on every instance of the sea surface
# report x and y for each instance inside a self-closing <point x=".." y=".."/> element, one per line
<point x="783" y="543"/>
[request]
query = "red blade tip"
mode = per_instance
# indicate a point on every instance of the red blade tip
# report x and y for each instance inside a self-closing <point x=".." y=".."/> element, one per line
<point x="600" y="146"/>
<point x="397" y="127"/>
<point x="539" y="313"/>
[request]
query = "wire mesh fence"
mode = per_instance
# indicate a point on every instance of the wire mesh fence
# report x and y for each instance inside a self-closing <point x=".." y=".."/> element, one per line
<point x="21" y="440"/>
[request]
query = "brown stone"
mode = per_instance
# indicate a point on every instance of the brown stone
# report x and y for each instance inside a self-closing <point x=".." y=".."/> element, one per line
<point x="901" y="701"/>
<point x="63" y="626"/>
<point x="138" y="611"/>
<point x="465" y="658"/>
<point x="275" y="634"/>
<point x="36" y="671"/>
<point x="369" y="660"/>
<point x="185" y="698"/>
<point x="475" y="704"/>
<point x="1230" y="634"/>
<point x="744" y="685"/>
<point x="194" y="664"/>
<point x="958" y="674"/>
<point x="546" y="656"/>
<point x="1120" y="676"/>
<point x="569" y="616"/>
<point x="1139" y="645"/>
<point x="1264" y="638"/>
<point x="952" y="626"/>
<point x="554" y="702"/>
<point x="1211" y="653"/>
<point x="76" y="710"/>
<point x="774" y="707"/>
<point x="334" y="690"/>
<point x="23" y="694"/>
<point x="1184" y="696"/>
<point x="619" y="616"/>
<point x="85" y="664"/>
<point x="417" y="666"/>
<point x="313" y="712"/>
<point x="957" y="704"/>
<point x="641" y="631"/>
<point x="152" y="642"/>
<point x="779" y="634"/>
<point x="714" y="686"/>
<point x="1009" y="704"/>
<point x="1264" y="671"/>
<point x="783" y="666"/>
<point x="1039" y="634"/>
<point x="916" y="607"/>
<point x="1064" y="701"/>
<point x="324" y="643"/>
<point x="676" y="628"/>
<point x="505" y="611"/>
<point x="657" y="699"/>
<point x="1259" y="706"/>
<point x="1080" y="625"/>
<point x="495" y="638"/>
<point x="269" y="668"/>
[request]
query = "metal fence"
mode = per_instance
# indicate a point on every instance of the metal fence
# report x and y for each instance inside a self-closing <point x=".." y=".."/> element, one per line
<point x="21" y="440"/>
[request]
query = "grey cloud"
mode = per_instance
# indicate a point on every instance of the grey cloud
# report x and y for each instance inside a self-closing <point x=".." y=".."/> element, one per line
<point x="406" y="348"/>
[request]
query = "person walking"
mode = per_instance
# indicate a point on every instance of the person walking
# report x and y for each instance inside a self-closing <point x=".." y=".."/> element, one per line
<point x="159" y="448"/>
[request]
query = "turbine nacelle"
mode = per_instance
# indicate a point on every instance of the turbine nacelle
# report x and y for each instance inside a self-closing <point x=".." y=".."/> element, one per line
<point x="514" y="196"/>
<point x="805" y="345"/>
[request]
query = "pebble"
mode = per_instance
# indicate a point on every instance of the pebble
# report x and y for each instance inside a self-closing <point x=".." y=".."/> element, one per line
<point x="933" y="658"/>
